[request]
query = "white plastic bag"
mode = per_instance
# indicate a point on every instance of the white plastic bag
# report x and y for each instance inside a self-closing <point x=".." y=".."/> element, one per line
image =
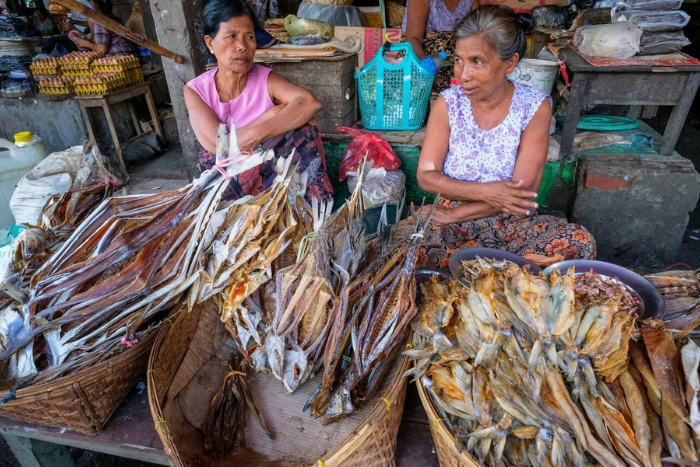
<point x="335" y="15"/>
<point x="60" y="172"/>
<point x="380" y="187"/>
<point x="618" y="40"/>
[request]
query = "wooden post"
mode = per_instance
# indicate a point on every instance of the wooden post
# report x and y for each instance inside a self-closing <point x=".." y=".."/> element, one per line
<point x="120" y="29"/>
<point x="180" y="28"/>
<point x="35" y="453"/>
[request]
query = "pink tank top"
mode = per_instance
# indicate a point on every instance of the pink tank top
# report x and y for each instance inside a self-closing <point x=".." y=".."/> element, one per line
<point x="247" y="107"/>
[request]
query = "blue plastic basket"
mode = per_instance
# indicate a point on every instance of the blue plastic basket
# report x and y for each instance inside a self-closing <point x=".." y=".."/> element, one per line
<point x="394" y="96"/>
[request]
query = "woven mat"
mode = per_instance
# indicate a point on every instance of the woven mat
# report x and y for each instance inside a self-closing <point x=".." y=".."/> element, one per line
<point x="676" y="59"/>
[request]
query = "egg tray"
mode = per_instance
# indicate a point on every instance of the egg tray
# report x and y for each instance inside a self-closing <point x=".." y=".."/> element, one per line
<point x="44" y="70"/>
<point x="76" y="72"/>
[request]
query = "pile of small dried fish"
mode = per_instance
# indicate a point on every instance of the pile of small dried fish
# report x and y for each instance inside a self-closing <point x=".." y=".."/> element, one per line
<point x="371" y="321"/>
<point x="533" y="371"/>
<point x="681" y="292"/>
<point x="131" y="258"/>
<point x="226" y="419"/>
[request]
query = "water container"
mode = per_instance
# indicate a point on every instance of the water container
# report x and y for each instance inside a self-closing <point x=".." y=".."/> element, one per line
<point x="539" y="74"/>
<point x="16" y="159"/>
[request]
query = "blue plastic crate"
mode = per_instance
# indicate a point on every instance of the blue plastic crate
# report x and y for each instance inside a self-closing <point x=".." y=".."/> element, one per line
<point x="394" y="96"/>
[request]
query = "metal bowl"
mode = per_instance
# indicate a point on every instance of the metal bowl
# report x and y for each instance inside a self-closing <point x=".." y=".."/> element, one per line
<point x="653" y="302"/>
<point x="469" y="254"/>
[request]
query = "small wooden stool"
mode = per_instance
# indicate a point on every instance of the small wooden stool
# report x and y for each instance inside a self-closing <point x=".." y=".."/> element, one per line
<point x="106" y="100"/>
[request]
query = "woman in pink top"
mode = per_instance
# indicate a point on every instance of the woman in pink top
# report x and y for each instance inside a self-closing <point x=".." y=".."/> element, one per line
<point x="268" y="110"/>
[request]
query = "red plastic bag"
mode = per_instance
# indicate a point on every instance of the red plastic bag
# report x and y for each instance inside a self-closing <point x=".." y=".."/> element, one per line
<point x="374" y="146"/>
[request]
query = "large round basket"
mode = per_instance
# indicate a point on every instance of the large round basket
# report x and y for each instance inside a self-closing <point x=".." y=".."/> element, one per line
<point x="186" y="369"/>
<point x="82" y="401"/>
<point x="447" y="452"/>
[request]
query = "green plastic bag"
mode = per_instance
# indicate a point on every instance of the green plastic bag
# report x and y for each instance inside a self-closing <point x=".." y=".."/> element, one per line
<point x="307" y="27"/>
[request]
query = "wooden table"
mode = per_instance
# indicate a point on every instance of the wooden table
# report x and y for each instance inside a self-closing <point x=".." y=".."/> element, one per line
<point x="629" y="85"/>
<point x="105" y="101"/>
<point x="130" y="433"/>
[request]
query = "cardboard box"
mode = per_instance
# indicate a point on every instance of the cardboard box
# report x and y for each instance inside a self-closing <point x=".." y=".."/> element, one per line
<point x="372" y="40"/>
<point x="524" y="6"/>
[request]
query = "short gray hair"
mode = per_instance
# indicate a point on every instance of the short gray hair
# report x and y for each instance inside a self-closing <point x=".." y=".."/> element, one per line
<point x="502" y="29"/>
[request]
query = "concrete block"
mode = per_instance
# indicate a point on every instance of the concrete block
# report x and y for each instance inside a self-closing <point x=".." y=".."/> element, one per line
<point x="636" y="207"/>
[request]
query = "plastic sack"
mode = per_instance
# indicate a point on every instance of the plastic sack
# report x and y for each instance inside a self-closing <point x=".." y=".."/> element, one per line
<point x="618" y="40"/>
<point x="335" y="15"/>
<point x="373" y="146"/>
<point x="653" y="21"/>
<point x="380" y="186"/>
<point x="653" y="5"/>
<point x="656" y="43"/>
<point x="307" y="27"/>
<point x="59" y="172"/>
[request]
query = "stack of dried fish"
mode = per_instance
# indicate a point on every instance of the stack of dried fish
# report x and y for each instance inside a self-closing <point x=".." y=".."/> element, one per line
<point x="226" y="419"/>
<point x="371" y="321"/>
<point x="536" y="371"/>
<point x="131" y="258"/>
<point x="251" y="237"/>
<point x="307" y="292"/>
<point x="681" y="292"/>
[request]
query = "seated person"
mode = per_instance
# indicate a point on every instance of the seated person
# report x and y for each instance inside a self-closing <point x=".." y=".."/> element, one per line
<point x="485" y="149"/>
<point x="428" y="26"/>
<point x="103" y="40"/>
<point x="268" y="110"/>
<point x="44" y="24"/>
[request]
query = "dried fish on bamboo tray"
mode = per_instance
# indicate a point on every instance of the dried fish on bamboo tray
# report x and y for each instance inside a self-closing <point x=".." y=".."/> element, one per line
<point x="681" y="293"/>
<point x="105" y="290"/>
<point x="551" y="371"/>
<point x="187" y="365"/>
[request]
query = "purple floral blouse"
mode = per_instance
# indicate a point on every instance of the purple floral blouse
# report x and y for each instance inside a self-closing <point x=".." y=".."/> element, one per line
<point x="476" y="155"/>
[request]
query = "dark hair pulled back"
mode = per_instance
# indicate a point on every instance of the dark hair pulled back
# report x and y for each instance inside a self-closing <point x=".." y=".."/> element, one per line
<point x="503" y="30"/>
<point x="220" y="11"/>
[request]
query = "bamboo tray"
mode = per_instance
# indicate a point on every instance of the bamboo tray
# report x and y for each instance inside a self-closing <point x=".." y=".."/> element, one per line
<point x="198" y="340"/>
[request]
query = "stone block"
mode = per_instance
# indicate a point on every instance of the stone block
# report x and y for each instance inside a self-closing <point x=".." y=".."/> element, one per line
<point x="636" y="207"/>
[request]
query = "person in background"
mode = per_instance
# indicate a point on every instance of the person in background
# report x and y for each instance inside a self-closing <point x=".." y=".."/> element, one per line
<point x="269" y="111"/>
<point x="428" y="26"/>
<point x="103" y="40"/>
<point x="43" y="23"/>
<point x="485" y="150"/>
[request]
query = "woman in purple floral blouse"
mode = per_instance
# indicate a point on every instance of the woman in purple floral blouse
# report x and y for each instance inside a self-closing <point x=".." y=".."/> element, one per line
<point x="485" y="150"/>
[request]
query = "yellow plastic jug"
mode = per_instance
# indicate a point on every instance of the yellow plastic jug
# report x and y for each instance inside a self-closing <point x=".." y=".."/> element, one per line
<point x="16" y="159"/>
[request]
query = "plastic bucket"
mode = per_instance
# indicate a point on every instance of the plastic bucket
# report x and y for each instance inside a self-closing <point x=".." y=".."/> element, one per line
<point x="539" y="74"/>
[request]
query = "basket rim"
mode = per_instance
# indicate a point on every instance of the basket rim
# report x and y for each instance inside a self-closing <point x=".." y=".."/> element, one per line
<point x="441" y="432"/>
<point x="85" y="375"/>
<point x="378" y="412"/>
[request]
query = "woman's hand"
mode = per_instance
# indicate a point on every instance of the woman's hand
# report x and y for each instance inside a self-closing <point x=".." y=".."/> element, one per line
<point x="442" y="214"/>
<point x="248" y="139"/>
<point x="509" y="197"/>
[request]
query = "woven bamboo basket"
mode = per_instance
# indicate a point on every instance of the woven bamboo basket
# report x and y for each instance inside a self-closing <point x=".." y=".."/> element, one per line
<point x="82" y="401"/>
<point x="198" y="340"/>
<point x="447" y="452"/>
<point x="394" y="13"/>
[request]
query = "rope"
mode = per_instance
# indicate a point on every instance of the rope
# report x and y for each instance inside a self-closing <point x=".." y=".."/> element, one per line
<point x="320" y="463"/>
<point x="437" y="422"/>
<point x="388" y="403"/>
<point x="228" y="162"/>
<point x="172" y="325"/>
<point x="127" y="342"/>
<point x="148" y="372"/>
<point x="11" y="396"/>
<point x="159" y="423"/>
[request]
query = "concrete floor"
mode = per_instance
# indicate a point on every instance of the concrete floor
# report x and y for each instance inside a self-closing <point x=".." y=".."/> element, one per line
<point x="414" y="448"/>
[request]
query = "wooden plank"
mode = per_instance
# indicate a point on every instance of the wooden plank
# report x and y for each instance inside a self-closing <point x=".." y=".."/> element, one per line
<point x="120" y="29"/>
<point x="31" y="453"/>
<point x="639" y="88"/>
<point x="128" y="433"/>
<point x="575" y="62"/>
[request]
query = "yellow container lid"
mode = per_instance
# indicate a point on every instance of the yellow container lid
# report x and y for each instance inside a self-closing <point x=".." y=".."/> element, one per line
<point x="24" y="137"/>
